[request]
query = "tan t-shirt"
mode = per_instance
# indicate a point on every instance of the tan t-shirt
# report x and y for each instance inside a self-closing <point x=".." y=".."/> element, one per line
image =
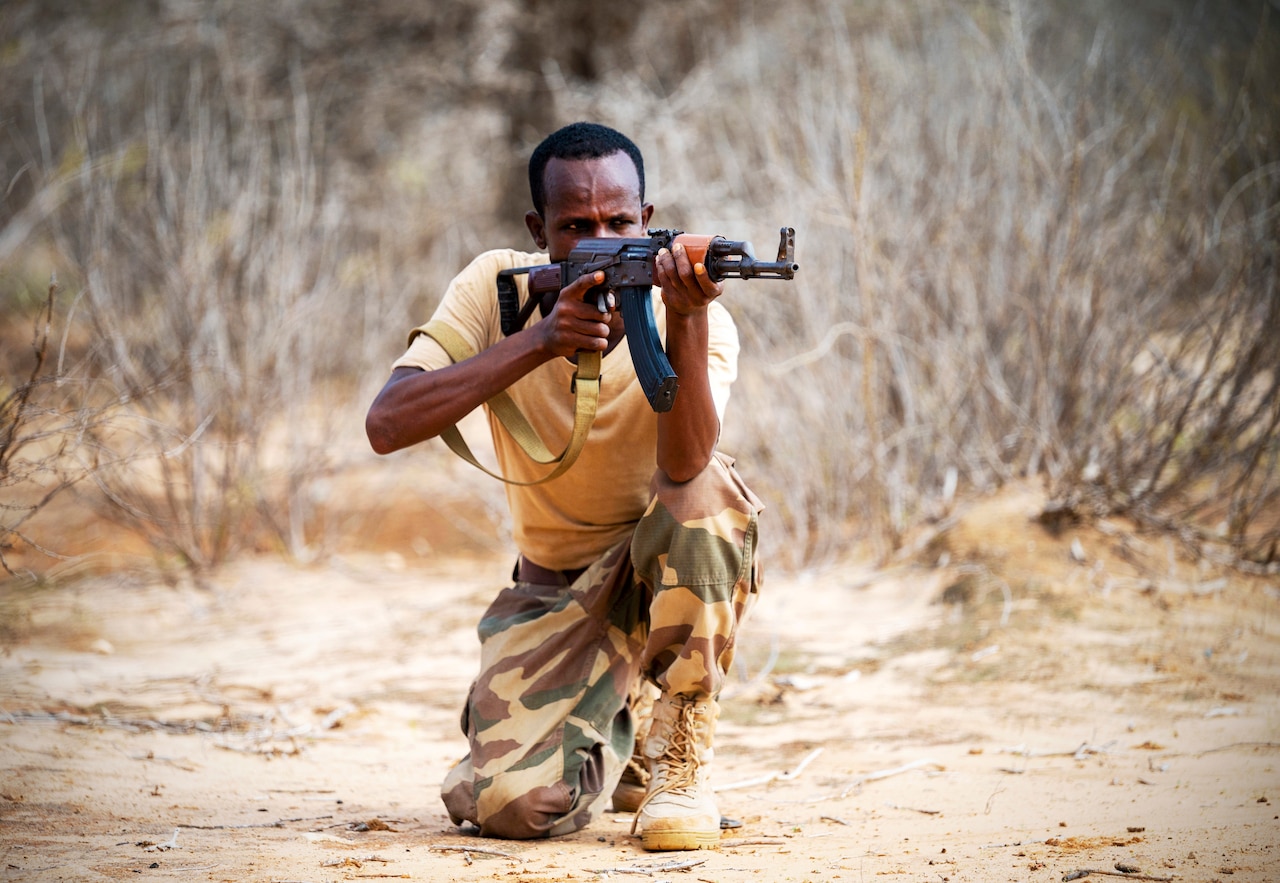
<point x="571" y="520"/>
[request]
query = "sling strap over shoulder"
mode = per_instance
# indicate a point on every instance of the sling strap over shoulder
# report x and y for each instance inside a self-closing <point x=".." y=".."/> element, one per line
<point x="586" y="386"/>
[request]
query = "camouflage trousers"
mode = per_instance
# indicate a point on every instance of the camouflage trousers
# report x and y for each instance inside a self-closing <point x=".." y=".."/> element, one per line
<point x="548" y="718"/>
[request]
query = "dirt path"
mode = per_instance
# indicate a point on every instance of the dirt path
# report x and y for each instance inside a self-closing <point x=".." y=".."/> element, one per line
<point x="293" y="724"/>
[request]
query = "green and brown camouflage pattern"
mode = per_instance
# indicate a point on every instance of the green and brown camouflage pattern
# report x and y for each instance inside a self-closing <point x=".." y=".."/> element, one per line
<point x="547" y="718"/>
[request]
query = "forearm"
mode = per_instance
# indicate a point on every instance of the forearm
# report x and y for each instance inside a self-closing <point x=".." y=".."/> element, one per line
<point x="687" y="434"/>
<point x="417" y="405"/>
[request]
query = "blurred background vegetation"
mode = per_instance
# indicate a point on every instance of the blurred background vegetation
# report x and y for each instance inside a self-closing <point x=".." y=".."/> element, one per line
<point x="1038" y="240"/>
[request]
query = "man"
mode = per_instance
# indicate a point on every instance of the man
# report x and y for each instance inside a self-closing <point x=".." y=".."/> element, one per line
<point x="636" y="564"/>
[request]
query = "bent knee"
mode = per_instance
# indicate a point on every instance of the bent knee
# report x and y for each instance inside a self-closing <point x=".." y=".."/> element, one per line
<point x="530" y="814"/>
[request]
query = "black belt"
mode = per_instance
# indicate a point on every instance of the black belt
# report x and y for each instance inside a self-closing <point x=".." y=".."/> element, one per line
<point x="527" y="572"/>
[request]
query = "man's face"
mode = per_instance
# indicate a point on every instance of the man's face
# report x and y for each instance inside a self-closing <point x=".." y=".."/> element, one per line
<point x="589" y="198"/>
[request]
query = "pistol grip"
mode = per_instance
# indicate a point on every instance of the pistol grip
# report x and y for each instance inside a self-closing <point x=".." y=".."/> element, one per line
<point x="657" y="379"/>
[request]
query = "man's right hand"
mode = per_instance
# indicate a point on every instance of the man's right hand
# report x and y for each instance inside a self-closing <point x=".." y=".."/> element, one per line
<point x="415" y="405"/>
<point x="575" y="324"/>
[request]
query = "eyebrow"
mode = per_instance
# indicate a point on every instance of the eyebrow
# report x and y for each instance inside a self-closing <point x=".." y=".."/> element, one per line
<point x="628" y="217"/>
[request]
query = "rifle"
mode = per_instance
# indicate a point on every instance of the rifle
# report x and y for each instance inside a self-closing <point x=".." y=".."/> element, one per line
<point x="628" y="266"/>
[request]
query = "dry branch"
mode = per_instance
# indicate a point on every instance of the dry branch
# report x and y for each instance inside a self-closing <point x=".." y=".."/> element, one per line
<point x="1083" y="750"/>
<point x="278" y="823"/>
<point x="785" y="776"/>
<point x="884" y="774"/>
<point x="1085" y="872"/>
<point x="354" y="861"/>
<point x="652" y="869"/>
<point x="477" y="849"/>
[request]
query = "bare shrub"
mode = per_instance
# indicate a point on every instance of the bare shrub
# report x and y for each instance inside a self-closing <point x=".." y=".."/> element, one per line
<point x="988" y="259"/>
<point x="20" y="428"/>
<point x="49" y="427"/>
<point x="211" y="262"/>
<point x="245" y="283"/>
<point x="1035" y="241"/>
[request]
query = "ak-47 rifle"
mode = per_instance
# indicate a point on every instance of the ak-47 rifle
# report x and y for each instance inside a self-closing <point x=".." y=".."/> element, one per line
<point x="628" y="266"/>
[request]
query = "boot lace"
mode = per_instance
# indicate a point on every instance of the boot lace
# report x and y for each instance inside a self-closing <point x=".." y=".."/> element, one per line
<point x="679" y="759"/>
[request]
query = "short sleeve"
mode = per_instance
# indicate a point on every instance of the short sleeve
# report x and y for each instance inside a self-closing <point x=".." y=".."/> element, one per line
<point x="469" y="307"/>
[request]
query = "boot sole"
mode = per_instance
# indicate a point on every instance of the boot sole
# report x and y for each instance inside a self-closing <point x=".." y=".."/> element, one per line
<point x="672" y="841"/>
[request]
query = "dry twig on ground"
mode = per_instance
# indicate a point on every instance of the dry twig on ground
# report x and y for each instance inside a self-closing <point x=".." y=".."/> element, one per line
<point x="773" y="777"/>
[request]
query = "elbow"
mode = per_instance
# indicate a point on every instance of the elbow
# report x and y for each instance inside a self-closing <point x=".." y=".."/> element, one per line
<point x="389" y="423"/>
<point x="684" y="464"/>
<point x="381" y="438"/>
<point x="684" y="471"/>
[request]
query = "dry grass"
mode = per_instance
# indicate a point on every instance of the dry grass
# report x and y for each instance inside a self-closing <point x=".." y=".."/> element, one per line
<point x="1033" y="242"/>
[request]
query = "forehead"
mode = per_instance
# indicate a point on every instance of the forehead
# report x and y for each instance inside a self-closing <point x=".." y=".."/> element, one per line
<point x="573" y="185"/>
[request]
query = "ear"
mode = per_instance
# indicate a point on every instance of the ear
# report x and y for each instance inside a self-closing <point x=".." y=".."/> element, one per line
<point x="646" y="212"/>
<point x="537" y="228"/>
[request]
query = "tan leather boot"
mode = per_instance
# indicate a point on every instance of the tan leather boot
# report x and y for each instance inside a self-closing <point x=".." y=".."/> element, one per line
<point x="679" y="811"/>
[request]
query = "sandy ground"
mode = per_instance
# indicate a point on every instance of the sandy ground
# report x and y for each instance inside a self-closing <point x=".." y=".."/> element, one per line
<point x="1012" y="715"/>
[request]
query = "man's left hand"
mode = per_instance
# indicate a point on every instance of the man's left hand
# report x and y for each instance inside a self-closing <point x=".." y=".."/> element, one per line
<point x="686" y="287"/>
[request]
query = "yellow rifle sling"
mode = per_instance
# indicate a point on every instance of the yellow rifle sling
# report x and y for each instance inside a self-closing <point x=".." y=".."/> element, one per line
<point x="586" y="385"/>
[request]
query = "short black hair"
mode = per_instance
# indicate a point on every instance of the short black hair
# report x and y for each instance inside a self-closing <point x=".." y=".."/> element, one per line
<point x="578" y="141"/>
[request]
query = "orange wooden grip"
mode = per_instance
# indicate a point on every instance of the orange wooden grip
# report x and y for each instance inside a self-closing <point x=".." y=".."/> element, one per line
<point x="695" y="245"/>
